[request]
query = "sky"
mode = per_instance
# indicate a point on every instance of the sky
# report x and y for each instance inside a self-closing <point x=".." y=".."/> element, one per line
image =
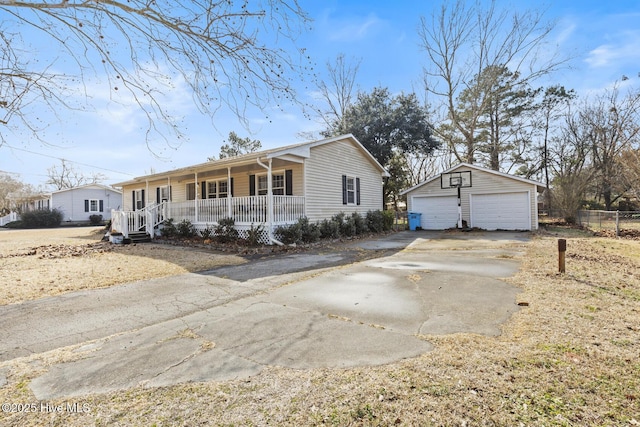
<point x="602" y="38"/>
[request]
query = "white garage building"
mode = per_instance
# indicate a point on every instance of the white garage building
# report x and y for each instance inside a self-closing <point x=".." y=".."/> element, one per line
<point x="489" y="200"/>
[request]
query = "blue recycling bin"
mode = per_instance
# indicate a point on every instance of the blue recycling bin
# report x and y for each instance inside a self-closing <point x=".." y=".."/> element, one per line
<point x="414" y="220"/>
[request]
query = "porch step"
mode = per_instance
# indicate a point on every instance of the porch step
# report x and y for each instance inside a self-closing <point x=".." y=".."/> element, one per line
<point x="139" y="237"/>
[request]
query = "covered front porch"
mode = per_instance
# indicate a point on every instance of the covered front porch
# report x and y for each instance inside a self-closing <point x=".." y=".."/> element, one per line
<point x="248" y="212"/>
<point x="262" y="190"/>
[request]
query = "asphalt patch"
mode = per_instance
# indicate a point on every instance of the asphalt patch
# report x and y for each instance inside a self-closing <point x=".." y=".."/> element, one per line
<point x="278" y="265"/>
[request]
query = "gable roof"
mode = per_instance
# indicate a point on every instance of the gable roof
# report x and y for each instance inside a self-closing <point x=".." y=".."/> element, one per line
<point x="87" y="186"/>
<point x="540" y="185"/>
<point x="301" y="150"/>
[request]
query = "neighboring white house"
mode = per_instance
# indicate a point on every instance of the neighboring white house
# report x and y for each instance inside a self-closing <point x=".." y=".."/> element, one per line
<point x="489" y="200"/>
<point x="79" y="203"/>
<point x="26" y="202"/>
<point x="76" y="204"/>
<point x="316" y="179"/>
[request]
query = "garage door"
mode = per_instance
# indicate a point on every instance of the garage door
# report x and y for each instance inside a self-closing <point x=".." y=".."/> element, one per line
<point x="502" y="211"/>
<point x="438" y="212"/>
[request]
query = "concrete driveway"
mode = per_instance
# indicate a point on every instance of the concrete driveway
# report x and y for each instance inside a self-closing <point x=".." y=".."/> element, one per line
<point x="231" y="323"/>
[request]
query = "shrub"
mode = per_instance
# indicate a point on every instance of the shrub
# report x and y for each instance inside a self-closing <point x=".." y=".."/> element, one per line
<point x="254" y="235"/>
<point x="389" y="219"/>
<point x="375" y="221"/>
<point x="289" y="234"/>
<point x="346" y="225"/>
<point x="329" y="229"/>
<point x="43" y="218"/>
<point x="310" y="231"/>
<point x="207" y="233"/>
<point x="359" y="223"/>
<point x="302" y="231"/>
<point x="95" y="219"/>
<point x="226" y="231"/>
<point x="168" y="228"/>
<point x="186" y="229"/>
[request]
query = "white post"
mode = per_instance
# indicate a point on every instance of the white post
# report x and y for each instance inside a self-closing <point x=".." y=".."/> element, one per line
<point x="229" y="195"/>
<point x="459" y="208"/>
<point x="270" y="200"/>
<point x="167" y="210"/>
<point x="195" y="200"/>
<point x="617" y="223"/>
<point x="146" y="205"/>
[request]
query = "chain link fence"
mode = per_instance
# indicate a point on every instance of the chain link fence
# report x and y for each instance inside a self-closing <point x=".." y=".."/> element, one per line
<point x="610" y="220"/>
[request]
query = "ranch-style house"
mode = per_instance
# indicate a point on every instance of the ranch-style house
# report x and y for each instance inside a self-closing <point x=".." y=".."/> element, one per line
<point x="266" y="189"/>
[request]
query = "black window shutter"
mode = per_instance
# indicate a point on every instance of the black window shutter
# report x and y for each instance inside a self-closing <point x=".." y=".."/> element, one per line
<point x="358" y="191"/>
<point x="170" y="193"/>
<point x="252" y="185"/>
<point x="344" y="189"/>
<point x="143" y="199"/>
<point x="203" y="190"/>
<point x="231" y="189"/>
<point x="86" y="205"/>
<point x="101" y="206"/>
<point x="133" y="200"/>
<point x="158" y="195"/>
<point x="288" y="182"/>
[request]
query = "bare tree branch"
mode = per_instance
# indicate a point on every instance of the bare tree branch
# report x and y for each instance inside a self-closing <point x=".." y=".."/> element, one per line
<point x="461" y="41"/>
<point x="232" y="54"/>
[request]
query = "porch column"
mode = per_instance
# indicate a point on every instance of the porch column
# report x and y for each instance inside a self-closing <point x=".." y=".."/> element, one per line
<point x="166" y="212"/>
<point x="195" y="200"/>
<point x="270" y="200"/>
<point x="146" y="204"/>
<point x="229" y="195"/>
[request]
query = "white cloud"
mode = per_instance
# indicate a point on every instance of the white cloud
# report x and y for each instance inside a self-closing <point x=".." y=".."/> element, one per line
<point x="566" y="30"/>
<point x="353" y="29"/>
<point x="622" y="49"/>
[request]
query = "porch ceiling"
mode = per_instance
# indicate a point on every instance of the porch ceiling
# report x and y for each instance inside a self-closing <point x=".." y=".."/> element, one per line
<point x="216" y="169"/>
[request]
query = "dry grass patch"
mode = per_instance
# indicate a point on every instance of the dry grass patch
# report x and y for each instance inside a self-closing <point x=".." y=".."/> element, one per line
<point x="40" y="263"/>
<point x="569" y="358"/>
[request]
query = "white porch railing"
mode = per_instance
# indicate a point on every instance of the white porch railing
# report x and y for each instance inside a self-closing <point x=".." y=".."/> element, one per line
<point x="12" y="216"/>
<point x="146" y="220"/>
<point x="287" y="209"/>
<point x="244" y="210"/>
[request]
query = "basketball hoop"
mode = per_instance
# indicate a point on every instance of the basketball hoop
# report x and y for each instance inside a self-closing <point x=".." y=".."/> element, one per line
<point x="457" y="180"/>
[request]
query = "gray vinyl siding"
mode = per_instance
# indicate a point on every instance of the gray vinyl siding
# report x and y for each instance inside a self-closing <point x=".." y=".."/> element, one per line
<point x="324" y="171"/>
<point x="71" y="203"/>
<point x="482" y="183"/>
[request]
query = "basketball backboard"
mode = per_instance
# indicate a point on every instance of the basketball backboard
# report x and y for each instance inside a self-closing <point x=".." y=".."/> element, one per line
<point x="455" y="179"/>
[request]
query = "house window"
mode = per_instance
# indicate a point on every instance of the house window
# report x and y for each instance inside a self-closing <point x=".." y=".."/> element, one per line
<point x="164" y="194"/>
<point x="212" y="190"/>
<point x="217" y="189"/>
<point x="191" y="191"/>
<point x="351" y="190"/>
<point x="277" y="184"/>
<point x="93" y="205"/>
<point x="139" y="199"/>
<point x="262" y="185"/>
<point x="223" y="189"/>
